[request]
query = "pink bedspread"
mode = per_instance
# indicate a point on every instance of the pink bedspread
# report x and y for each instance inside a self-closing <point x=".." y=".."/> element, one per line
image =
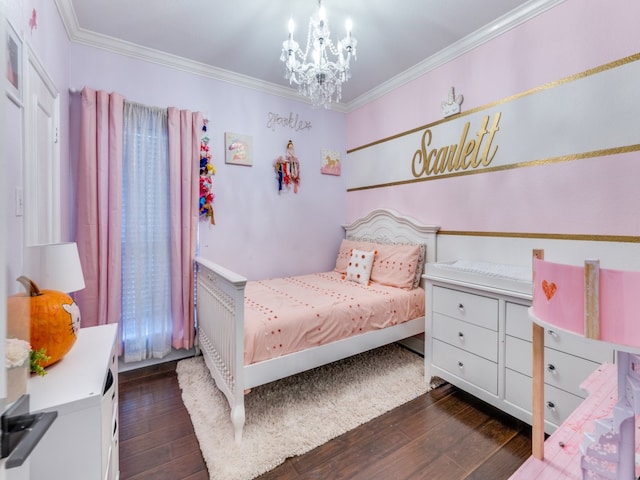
<point x="286" y="315"/>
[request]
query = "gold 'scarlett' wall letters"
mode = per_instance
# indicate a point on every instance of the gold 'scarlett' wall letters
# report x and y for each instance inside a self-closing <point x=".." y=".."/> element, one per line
<point x="451" y="158"/>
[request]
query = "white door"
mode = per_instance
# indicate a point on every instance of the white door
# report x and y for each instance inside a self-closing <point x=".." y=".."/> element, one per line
<point x="42" y="154"/>
<point x="44" y="117"/>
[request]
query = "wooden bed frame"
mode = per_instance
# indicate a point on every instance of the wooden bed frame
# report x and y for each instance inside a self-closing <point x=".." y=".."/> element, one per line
<point x="220" y="318"/>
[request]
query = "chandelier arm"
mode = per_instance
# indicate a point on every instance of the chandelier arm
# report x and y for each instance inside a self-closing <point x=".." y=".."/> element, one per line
<point x="303" y="57"/>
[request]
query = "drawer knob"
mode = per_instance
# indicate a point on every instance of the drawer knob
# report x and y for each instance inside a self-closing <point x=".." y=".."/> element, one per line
<point x="551" y="368"/>
<point x="552" y="333"/>
<point x="460" y="365"/>
<point x="551" y="405"/>
<point x="461" y="336"/>
<point x="461" y="307"/>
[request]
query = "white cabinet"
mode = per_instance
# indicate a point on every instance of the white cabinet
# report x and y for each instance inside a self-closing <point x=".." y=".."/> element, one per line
<point x="82" y="443"/>
<point x="464" y="334"/>
<point x="478" y="337"/>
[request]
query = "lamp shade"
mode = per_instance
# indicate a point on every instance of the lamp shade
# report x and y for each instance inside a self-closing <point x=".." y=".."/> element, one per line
<point x="55" y="266"/>
<point x="51" y="273"/>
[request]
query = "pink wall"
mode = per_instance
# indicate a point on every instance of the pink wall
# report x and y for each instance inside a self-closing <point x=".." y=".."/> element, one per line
<point x="595" y="196"/>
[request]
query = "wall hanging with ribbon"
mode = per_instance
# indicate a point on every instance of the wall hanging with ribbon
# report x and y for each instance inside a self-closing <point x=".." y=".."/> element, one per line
<point x="287" y="170"/>
<point x="207" y="170"/>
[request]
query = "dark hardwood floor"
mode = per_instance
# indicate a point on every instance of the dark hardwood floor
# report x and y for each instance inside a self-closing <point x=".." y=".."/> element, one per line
<point x="445" y="434"/>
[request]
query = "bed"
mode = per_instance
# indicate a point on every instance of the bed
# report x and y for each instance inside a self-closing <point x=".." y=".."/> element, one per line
<point x="241" y="355"/>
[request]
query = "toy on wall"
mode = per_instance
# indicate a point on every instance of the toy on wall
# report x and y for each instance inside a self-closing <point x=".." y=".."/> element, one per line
<point x="207" y="170"/>
<point x="287" y="170"/>
<point x="33" y="21"/>
<point x="451" y="105"/>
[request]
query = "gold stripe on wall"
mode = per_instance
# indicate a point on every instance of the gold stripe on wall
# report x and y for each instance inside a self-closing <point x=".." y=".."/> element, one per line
<point x="529" y="163"/>
<point x="546" y="236"/>
<point x="546" y="86"/>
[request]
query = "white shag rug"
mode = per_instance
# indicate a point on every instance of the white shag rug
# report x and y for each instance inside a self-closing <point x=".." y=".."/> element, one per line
<point x="291" y="416"/>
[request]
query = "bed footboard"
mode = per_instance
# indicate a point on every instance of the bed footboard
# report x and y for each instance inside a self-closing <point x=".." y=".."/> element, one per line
<point x="220" y="323"/>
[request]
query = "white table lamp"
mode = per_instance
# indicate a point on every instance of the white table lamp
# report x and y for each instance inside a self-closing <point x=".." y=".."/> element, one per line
<point x="54" y="266"/>
<point x="51" y="273"/>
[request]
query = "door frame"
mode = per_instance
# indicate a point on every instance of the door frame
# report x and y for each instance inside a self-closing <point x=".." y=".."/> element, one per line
<point x="35" y="219"/>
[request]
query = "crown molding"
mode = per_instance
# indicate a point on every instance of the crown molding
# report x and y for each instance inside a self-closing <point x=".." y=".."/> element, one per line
<point x="490" y="31"/>
<point x="68" y="16"/>
<point x="81" y="36"/>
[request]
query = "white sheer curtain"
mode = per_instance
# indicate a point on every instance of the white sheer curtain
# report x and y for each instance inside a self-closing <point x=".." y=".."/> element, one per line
<point x="147" y="323"/>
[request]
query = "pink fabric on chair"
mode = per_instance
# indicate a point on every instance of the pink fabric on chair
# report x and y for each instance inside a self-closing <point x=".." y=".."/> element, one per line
<point x="558" y="295"/>
<point x="558" y="298"/>
<point x="620" y="307"/>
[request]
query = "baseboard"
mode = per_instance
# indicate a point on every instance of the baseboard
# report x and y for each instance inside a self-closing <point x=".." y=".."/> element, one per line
<point x="176" y="354"/>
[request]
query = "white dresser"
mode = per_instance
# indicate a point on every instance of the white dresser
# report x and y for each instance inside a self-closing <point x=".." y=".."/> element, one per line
<point x="82" y="443"/>
<point x="478" y="337"/>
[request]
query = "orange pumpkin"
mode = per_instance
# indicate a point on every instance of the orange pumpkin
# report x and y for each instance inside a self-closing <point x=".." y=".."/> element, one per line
<point x="54" y="319"/>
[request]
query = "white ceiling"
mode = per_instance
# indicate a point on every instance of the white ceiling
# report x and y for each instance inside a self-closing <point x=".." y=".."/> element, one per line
<point x="240" y="40"/>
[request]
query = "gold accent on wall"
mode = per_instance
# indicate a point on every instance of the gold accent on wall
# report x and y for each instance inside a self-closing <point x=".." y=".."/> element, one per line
<point x="456" y="157"/>
<point x="545" y="86"/>
<point x="547" y="236"/>
<point x="528" y="163"/>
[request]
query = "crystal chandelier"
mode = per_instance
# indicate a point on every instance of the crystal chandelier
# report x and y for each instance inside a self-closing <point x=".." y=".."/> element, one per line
<point x="316" y="76"/>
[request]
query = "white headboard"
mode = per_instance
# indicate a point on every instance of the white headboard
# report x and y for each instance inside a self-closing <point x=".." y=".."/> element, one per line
<point x="390" y="226"/>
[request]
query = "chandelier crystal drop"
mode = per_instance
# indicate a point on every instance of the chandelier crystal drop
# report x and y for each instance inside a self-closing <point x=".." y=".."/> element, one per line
<point x="315" y="75"/>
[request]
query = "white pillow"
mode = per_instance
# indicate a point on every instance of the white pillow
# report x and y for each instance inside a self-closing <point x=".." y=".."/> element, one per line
<point x="359" y="266"/>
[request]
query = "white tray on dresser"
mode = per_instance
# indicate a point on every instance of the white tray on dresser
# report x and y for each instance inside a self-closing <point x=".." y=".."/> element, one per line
<point x="512" y="278"/>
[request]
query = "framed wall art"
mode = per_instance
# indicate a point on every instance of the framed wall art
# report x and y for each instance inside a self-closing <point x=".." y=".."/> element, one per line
<point x="330" y="162"/>
<point x="238" y="149"/>
<point x="14" y="65"/>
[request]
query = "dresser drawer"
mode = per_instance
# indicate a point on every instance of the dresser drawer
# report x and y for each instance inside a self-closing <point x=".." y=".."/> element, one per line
<point x="472" y="338"/>
<point x="467" y="366"/>
<point x="567" y="371"/>
<point x="518" y="355"/>
<point x="558" y="403"/>
<point x="562" y="370"/>
<point x="476" y="309"/>
<point x="517" y="323"/>
<point x="598" y="352"/>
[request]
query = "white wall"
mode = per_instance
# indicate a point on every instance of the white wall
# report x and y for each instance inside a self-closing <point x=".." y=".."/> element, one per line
<point x="258" y="232"/>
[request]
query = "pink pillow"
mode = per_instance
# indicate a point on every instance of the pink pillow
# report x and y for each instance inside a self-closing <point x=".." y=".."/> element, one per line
<point x="396" y="265"/>
<point x="344" y="252"/>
